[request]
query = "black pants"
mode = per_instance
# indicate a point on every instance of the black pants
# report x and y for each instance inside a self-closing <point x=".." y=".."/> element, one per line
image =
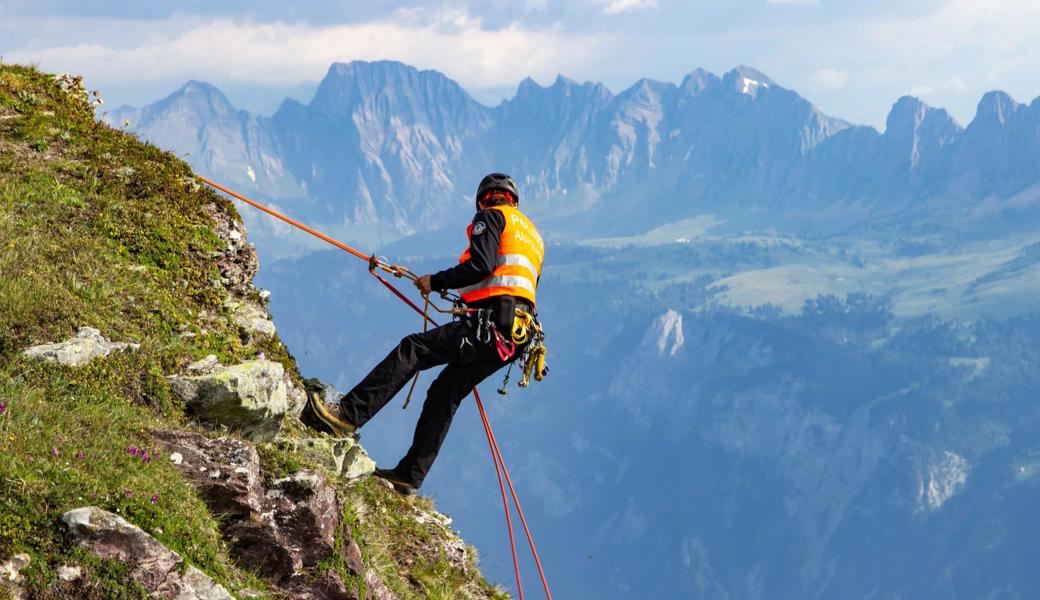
<point x="469" y="362"/>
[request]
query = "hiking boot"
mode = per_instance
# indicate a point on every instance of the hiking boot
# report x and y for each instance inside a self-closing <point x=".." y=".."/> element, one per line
<point x="399" y="484"/>
<point x="331" y="416"/>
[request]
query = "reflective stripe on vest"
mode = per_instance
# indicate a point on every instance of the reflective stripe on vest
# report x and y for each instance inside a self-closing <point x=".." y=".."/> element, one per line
<point x="519" y="261"/>
<point x="500" y="281"/>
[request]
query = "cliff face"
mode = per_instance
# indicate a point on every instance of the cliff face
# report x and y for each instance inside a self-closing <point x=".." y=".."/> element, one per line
<point x="150" y="434"/>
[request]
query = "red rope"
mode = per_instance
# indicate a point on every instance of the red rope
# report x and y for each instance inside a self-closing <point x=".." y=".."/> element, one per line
<point x="496" y="451"/>
<point x="496" y="458"/>
<point x="512" y="490"/>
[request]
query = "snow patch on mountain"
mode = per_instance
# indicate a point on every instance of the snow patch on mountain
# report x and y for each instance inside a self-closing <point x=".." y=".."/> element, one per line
<point x="942" y="480"/>
<point x="750" y="85"/>
<point x="670" y="334"/>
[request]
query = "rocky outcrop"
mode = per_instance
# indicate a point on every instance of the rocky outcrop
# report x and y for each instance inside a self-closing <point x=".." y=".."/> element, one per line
<point x="225" y="471"/>
<point x="85" y="346"/>
<point x="253" y="320"/>
<point x="237" y="260"/>
<point x="377" y="590"/>
<point x="282" y="531"/>
<point x="250" y="397"/>
<point x="161" y="571"/>
<point x="299" y="523"/>
<point x="342" y="455"/>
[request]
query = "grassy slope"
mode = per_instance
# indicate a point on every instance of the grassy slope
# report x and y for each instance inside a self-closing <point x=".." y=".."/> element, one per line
<point x="100" y="229"/>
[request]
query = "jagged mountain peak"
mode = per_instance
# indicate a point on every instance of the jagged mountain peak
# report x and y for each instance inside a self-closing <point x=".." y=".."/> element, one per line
<point x="562" y="81"/>
<point x="748" y="80"/>
<point x="358" y="82"/>
<point x="527" y="85"/>
<point x="994" y="109"/>
<point x="910" y="113"/>
<point x="562" y="86"/>
<point x="194" y="86"/>
<point x="697" y="81"/>
<point x="645" y="85"/>
<point x="200" y="94"/>
<point x="374" y="69"/>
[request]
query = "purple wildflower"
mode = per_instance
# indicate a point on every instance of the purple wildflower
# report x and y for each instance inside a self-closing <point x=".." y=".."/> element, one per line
<point x="146" y="458"/>
<point x="127" y="493"/>
<point x="93" y="496"/>
<point x="131" y="450"/>
<point x="154" y="499"/>
<point x="80" y="455"/>
<point x="54" y="451"/>
<point x="3" y="408"/>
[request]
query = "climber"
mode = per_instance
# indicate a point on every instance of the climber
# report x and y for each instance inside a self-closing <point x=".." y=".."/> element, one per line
<point x="496" y="275"/>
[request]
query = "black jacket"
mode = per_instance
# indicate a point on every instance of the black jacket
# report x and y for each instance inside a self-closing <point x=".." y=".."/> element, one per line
<point x="485" y="238"/>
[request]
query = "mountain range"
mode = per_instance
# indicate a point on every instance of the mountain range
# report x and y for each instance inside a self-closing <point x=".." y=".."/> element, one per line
<point x="384" y="150"/>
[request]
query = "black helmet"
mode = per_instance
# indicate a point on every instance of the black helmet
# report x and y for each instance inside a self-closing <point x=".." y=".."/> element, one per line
<point x="497" y="181"/>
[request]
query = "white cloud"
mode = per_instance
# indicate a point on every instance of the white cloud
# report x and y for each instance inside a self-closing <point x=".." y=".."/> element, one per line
<point x="285" y="54"/>
<point x="953" y="85"/>
<point x="949" y="53"/>
<point x="853" y="62"/>
<point x="831" y="79"/>
<point x="613" y="7"/>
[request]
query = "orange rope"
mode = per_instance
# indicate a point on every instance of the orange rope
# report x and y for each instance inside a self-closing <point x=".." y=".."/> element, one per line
<point x="496" y="452"/>
<point x="292" y="222"/>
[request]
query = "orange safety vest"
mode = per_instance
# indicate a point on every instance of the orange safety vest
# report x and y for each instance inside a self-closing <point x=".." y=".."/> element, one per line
<point x="520" y="254"/>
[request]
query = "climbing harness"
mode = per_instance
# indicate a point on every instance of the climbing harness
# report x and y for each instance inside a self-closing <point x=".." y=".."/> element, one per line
<point x="485" y="319"/>
<point x="376" y="264"/>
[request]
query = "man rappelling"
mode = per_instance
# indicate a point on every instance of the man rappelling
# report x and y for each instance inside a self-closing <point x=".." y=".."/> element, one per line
<point x="496" y="278"/>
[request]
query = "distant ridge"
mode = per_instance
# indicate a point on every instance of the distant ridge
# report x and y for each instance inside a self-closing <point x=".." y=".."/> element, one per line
<point x="389" y="150"/>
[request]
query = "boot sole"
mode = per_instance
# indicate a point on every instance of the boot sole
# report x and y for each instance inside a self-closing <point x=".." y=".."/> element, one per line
<point x="399" y="486"/>
<point x="339" y="427"/>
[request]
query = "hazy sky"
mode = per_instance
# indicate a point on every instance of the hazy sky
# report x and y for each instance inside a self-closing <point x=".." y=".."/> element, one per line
<point x="853" y="58"/>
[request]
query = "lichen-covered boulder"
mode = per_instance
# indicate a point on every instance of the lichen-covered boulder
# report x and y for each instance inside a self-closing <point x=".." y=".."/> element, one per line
<point x="341" y="455"/>
<point x="357" y="464"/>
<point x="159" y="570"/>
<point x="252" y="319"/>
<point x="85" y="346"/>
<point x="249" y="397"/>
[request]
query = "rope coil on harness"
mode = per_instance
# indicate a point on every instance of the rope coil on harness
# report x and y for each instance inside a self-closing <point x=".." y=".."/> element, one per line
<point x="375" y="264"/>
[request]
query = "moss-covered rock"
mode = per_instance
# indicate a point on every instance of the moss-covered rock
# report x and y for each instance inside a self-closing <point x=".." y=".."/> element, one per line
<point x="250" y="397"/>
<point x="85" y="346"/>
